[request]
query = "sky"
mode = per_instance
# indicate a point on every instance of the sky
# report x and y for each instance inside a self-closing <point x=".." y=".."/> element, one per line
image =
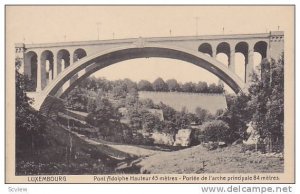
<point x="74" y="23"/>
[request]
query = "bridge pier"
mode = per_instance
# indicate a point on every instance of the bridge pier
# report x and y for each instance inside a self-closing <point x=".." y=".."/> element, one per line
<point x="55" y="66"/>
<point x="232" y="61"/>
<point x="249" y="67"/>
<point x="39" y="73"/>
<point x="214" y="53"/>
<point x="72" y="58"/>
<point x="43" y="77"/>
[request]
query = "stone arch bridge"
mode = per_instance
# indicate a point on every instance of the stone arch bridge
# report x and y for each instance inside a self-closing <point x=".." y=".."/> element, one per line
<point x="56" y="68"/>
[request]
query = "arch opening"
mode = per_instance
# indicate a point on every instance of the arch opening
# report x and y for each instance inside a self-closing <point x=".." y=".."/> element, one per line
<point x="63" y="60"/>
<point x="46" y="68"/>
<point x="240" y="70"/>
<point x="79" y="54"/>
<point x="206" y="49"/>
<point x="261" y="48"/>
<point x="241" y="50"/>
<point x="30" y="68"/>
<point x="224" y="48"/>
<point x="223" y="58"/>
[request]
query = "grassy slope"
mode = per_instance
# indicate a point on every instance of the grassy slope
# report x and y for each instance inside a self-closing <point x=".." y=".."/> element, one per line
<point x="222" y="160"/>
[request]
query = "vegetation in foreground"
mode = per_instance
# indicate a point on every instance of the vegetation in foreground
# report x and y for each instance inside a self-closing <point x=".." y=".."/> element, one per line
<point x="66" y="153"/>
<point x="198" y="159"/>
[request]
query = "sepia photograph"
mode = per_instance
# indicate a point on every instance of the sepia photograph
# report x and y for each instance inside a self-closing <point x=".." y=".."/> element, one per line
<point x="149" y="94"/>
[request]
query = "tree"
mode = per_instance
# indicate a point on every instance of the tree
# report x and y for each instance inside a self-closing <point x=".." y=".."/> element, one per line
<point x="102" y="112"/>
<point x="77" y="99"/>
<point x="119" y="90"/>
<point x="91" y="105"/>
<point x="29" y="123"/>
<point x="169" y="127"/>
<point x="201" y="87"/>
<point x="90" y="84"/>
<point x="230" y="98"/>
<point x="130" y="85"/>
<point x="103" y="84"/>
<point x="168" y="112"/>
<point x="201" y="114"/>
<point x="183" y="119"/>
<point x="144" y="85"/>
<point x="173" y="85"/>
<point x="267" y="101"/>
<point x="238" y="114"/>
<point x="132" y="98"/>
<point x="151" y="122"/>
<point x="135" y="117"/>
<point x="160" y="85"/>
<point x="188" y="87"/>
<point x="216" y="131"/>
<point x="147" y="103"/>
<point x="213" y="88"/>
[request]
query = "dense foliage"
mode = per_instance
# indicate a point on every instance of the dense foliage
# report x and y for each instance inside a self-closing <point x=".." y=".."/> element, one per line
<point x="267" y="102"/>
<point x="29" y="123"/>
<point x="216" y="131"/>
<point x="103" y="99"/>
<point x="110" y="104"/>
<point x="119" y="88"/>
<point x="263" y="106"/>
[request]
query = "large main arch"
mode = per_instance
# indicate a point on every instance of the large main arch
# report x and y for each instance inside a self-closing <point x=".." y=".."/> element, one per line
<point x="84" y="67"/>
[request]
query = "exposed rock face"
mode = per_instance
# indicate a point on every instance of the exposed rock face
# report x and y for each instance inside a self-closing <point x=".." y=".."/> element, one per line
<point x="162" y="138"/>
<point x="254" y="136"/>
<point x="183" y="137"/>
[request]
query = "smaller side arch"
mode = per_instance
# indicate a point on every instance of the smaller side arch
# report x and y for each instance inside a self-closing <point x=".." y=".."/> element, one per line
<point x="223" y="52"/>
<point x="79" y="54"/>
<point x="242" y="47"/>
<point x="63" y="60"/>
<point x="30" y="67"/>
<point x="261" y="48"/>
<point x="242" y="51"/>
<point x="46" y="68"/>
<point x="206" y="48"/>
<point x="223" y="47"/>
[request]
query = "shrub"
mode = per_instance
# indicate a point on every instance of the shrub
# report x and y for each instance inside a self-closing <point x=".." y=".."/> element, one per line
<point x="216" y="131"/>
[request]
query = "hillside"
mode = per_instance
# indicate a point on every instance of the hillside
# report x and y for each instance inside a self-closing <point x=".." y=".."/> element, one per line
<point x="67" y="153"/>
<point x="222" y="160"/>
<point x="178" y="100"/>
